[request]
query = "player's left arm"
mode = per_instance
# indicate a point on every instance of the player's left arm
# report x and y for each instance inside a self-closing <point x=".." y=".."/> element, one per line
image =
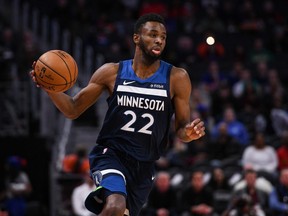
<point x="181" y="87"/>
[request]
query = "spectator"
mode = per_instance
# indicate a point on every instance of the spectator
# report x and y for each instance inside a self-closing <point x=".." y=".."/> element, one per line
<point x="269" y="14"/>
<point x="218" y="180"/>
<point x="248" y="19"/>
<point x="261" y="183"/>
<point x="197" y="153"/>
<point x="18" y="187"/>
<point x="235" y="128"/>
<point x="262" y="73"/>
<point x="282" y="152"/>
<point x="213" y="77"/>
<point x="261" y="157"/>
<point x="278" y="116"/>
<point x="274" y="86"/>
<point x="224" y="149"/>
<point x="279" y="43"/>
<point x="242" y="205"/>
<point x="8" y="52"/>
<point x="200" y="103"/>
<point x="79" y="195"/>
<point x="77" y="162"/>
<point x="210" y="21"/>
<point x="246" y="90"/>
<point x="221" y="98"/>
<point x="239" y="54"/>
<point x="278" y="197"/>
<point x="255" y="199"/>
<point x="259" y="52"/>
<point x="228" y="15"/>
<point x="177" y="155"/>
<point x="218" y="183"/>
<point x="155" y="6"/>
<point x="162" y="200"/>
<point x="196" y="199"/>
<point x="185" y="51"/>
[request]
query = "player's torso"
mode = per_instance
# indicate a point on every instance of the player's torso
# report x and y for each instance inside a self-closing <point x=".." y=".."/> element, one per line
<point x="139" y="112"/>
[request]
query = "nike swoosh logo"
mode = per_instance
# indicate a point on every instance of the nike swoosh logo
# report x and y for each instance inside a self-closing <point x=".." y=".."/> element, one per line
<point x="127" y="82"/>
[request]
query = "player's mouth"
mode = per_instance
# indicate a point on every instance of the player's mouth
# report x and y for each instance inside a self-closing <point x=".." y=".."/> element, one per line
<point x="156" y="50"/>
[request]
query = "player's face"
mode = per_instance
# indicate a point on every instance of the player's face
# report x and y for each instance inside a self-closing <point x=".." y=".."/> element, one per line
<point x="152" y="40"/>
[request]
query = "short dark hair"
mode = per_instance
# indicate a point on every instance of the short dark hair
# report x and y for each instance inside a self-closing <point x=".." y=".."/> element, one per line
<point x="250" y="171"/>
<point x="150" y="17"/>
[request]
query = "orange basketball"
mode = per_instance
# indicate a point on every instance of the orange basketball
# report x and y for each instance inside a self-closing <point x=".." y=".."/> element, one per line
<point x="56" y="71"/>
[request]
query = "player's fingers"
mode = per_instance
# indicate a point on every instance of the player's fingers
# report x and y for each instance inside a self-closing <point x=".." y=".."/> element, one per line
<point x="202" y="133"/>
<point x="192" y="125"/>
<point x="33" y="64"/>
<point x="198" y="125"/>
<point x="200" y="129"/>
<point x="195" y="122"/>
<point x="32" y="73"/>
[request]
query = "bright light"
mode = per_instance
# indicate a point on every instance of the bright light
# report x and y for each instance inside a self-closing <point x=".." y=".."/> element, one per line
<point x="210" y="40"/>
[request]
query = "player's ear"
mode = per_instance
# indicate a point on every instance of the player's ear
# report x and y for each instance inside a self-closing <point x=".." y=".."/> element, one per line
<point x="136" y="38"/>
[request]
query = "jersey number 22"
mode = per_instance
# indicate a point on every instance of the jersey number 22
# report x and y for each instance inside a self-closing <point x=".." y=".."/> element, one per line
<point x="144" y="129"/>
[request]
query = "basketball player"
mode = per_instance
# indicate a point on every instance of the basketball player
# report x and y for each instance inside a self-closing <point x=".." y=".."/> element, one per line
<point x="144" y="94"/>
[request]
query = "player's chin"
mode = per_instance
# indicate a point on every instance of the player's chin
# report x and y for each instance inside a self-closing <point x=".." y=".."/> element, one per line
<point x="156" y="56"/>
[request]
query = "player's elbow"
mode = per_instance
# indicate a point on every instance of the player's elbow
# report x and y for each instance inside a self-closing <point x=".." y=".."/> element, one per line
<point x="71" y="115"/>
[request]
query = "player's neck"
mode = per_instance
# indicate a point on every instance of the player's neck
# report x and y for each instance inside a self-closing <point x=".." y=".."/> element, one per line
<point x="144" y="68"/>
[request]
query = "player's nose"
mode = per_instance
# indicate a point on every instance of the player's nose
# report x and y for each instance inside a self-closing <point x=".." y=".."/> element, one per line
<point x="158" y="40"/>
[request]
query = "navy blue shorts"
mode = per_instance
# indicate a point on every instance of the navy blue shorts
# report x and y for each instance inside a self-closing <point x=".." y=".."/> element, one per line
<point x="120" y="173"/>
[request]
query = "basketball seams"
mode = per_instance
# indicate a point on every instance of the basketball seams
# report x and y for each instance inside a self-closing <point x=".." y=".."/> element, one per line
<point x="44" y="84"/>
<point x="62" y="84"/>
<point x="65" y="65"/>
<point x="52" y="69"/>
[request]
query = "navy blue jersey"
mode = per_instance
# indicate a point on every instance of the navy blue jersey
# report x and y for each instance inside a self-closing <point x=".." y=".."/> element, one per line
<point x="139" y="112"/>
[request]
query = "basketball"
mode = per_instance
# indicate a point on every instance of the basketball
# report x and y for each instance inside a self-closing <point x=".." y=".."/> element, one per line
<point x="56" y="71"/>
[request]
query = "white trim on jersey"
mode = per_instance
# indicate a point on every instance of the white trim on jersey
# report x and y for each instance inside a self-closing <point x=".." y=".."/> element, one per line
<point x="107" y="171"/>
<point x="139" y="90"/>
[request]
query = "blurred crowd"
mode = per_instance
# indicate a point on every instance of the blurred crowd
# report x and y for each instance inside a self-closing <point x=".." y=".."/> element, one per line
<point x="241" y="166"/>
<point x="16" y="190"/>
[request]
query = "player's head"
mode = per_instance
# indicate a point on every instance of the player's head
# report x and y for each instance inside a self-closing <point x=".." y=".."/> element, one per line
<point x="151" y="17"/>
<point x="150" y="35"/>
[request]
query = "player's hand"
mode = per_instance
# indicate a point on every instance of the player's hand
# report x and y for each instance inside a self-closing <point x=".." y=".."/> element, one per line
<point x="32" y="74"/>
<point x="195" y="129"/>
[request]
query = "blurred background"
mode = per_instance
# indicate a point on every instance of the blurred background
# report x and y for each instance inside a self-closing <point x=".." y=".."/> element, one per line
<point x="234" y="51"/>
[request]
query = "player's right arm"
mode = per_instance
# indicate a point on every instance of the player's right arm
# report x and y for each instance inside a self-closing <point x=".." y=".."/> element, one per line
<point x="181" y="87"/>
<point x="72" y="107"/>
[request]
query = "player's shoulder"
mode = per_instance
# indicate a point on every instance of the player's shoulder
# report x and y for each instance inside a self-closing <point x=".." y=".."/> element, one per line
<point x="105" y="73"/>
<point x="110" y="67"/>
<point x="107" y="69"/>
<point x="179" y="80"/>
<point x="178" y="73"/>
